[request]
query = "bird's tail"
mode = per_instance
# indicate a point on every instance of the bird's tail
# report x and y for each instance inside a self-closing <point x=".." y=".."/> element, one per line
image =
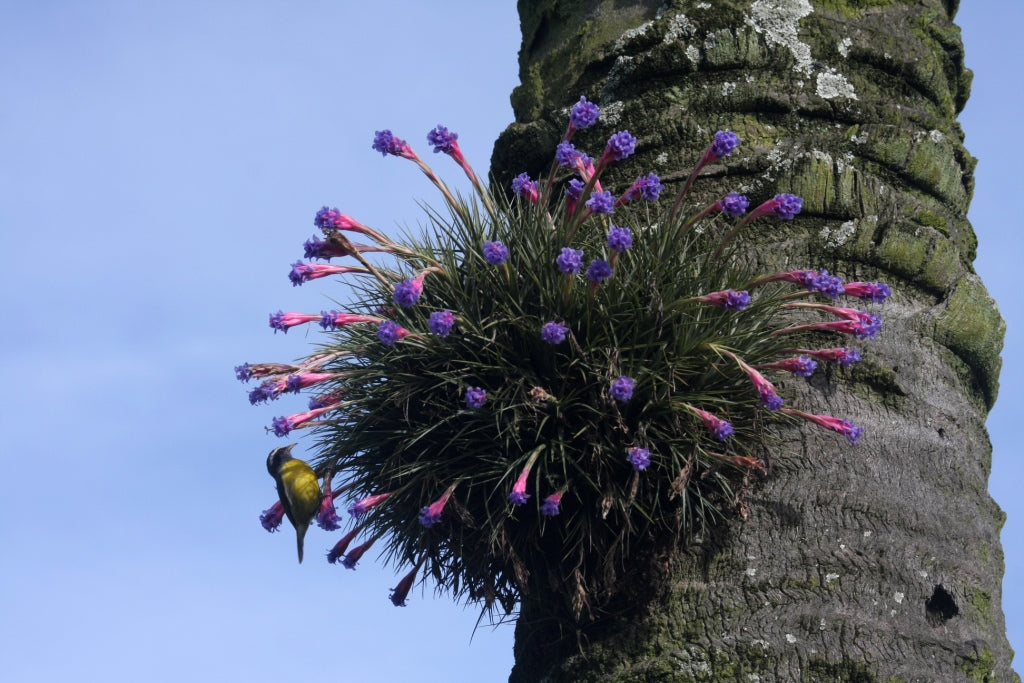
<point x="300" y="535"/>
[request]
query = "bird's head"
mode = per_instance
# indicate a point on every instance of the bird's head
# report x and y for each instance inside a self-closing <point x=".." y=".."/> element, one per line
<point x="277" y="457"/>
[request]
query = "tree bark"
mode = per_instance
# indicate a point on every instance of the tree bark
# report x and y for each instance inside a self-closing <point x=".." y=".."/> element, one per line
<point x="875" y="562"/>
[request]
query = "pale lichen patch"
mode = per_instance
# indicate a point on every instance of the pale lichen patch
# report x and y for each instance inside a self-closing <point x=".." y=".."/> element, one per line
<point x="779" y="21"/>
<point x="679" y="28"/>
<point x="693" y="54"/>
<point x="837" y="237"/>
<point x="833" y="85"/>
<point x="844" y="46"/>
<point x="728" y="89"/>
<point x="611" y="114"/>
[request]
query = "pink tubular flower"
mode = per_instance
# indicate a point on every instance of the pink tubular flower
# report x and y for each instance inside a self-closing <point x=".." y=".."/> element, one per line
<point x="877" y="292"/>
<point x="727" y="298"/>
<point x="283" y="321"/>
<point x="552" y="505"/>
<point x="844" y="356"/>
<point x="271" y="517"/>
<point x="385" y="142"/>
<point x="431" y="514"/>
<point x="304" y="272"/>
<point x="341" y="546"/>
<point x="400" y="592"/>
<point x="801" y="366"/>
<point x="770" y="398"/>
<point x="719" y="428"/>
<point x="304" y="380"/>
<point x="332" y="219"/>
<point x="283" y="425"/>
<point x="519" y="494"/>
<point x="860" y="324"/>
<point x="360" y="507"/>
<point x="844" y="427"/>
<point x="357" y="553"/>
<point x="330" y="320"/>
<point x="327" y="517"/>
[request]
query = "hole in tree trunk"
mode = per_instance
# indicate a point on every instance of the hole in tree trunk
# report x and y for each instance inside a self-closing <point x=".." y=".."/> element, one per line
<point x="940" y="608"/>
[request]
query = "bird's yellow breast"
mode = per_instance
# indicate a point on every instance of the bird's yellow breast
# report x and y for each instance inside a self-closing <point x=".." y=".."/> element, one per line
<point x="302" y="489"/>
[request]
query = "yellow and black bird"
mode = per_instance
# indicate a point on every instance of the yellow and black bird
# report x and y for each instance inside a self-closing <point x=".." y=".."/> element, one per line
<point x="298" y="489"/>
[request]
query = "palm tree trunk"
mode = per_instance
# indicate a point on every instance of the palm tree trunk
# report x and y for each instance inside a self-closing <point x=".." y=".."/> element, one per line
<point x="879" y="562"/>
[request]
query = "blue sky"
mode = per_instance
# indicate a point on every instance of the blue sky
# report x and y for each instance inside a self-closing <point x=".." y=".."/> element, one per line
<point x="160" y="164"/>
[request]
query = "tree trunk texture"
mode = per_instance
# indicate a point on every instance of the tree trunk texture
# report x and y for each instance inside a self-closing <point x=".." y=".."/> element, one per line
<point x="879" y="562"/>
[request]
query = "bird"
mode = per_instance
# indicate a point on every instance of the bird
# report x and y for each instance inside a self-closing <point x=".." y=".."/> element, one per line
<point x="298" y="489"/>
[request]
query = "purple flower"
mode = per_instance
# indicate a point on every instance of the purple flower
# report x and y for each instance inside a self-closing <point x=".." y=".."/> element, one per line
<point x="281" y="426"/>
<point x="565" y="153"/>
<point x="620" y="145"/>
<point x="877" y="292"/>
<point x="495" y="253"/>
<point x="848" y="357"/>
<point x="243" y="372"/>
<point x="829" y="285"/>
<point x="553" y="333"/>
<point x="326" y="218"/>
<point x="264" y="392"/>
<point x="441" y="140"/>
<point x="639" y="458"/>
<point x="729" y="299"/>
<point x="719" y="428"/>
<point x="522" y="186"/>
<point x="389" y="332"/>
<point x="787" y="205"/>
<point x="271" y="517"/>
<point x="570" y="260"/>
<point x="552" y="504"/>
<point x="583" y="114"/>
<point x="441" y="322"/>
<point x="619" y="239"/>
<point x="724" y="144"/>
<point x="622" y="388"/>
<point x="801" y="366"/>
<point x="734" y="204"/>
<point x="327" y="517"/>
<point x="769" y="398"/>
<point x="598" y="271"/>
<point x="475" y="397"/>
<point x="868" y="326"/>
<point x="601" y="202"/>
<point x="386" y="143"/>
<point x="408" y="292"/>
<point x="574" y="189"/>
<point x="431" y="514"/>
<point x="648" y="187"/>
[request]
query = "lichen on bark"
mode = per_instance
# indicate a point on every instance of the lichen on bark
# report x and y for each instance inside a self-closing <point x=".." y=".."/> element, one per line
<point x="852" y="104"/>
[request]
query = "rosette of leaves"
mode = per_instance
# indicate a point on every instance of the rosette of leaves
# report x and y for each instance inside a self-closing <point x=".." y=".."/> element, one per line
<point x="448" y="423"/>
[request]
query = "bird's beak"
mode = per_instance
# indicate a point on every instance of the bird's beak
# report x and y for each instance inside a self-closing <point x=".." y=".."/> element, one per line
<point x="288" y="448"/>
